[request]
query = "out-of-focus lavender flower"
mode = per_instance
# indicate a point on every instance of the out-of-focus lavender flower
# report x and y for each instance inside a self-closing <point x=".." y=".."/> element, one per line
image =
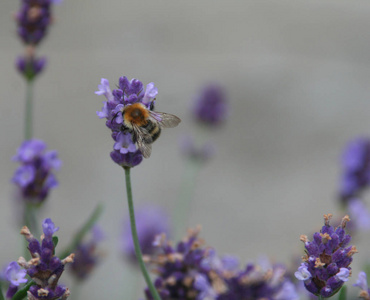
<point x="325" y="265"/>
<point x="150" y="221"/>
<point x="356" y="168"/>
<point x="31" y="66"/>
<point x="34" y="176"/>
<point x="33" y="20"/>
<point x="198" y="153"/>
<point x="15" y="276"/>
<point x="190" y="270"/>
<point x="181" y="274"/>
<point x="211" y="107"/>
<point x="86" y="255"/>
<point x="44" y="267"/>
<point x="259" y="281"/>
<point x="360" y="215"/>
<point x="362" y="284"/>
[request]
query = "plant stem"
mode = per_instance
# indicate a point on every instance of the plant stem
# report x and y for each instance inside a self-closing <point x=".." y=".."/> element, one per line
<point x="28" y="121"/>
<point x="183" y="205"/>
<point x="319" y="297"/>
<point x="138" y="253"/>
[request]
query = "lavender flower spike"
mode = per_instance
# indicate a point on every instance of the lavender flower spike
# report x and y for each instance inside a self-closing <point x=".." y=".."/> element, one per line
<point x="150" y="221"/>
<point x="44" y="267"/>
<point x="86" y="255"/>
<point x="129" y="115"/>
<point x="356" y="168"/>
<point x="362" y="284"/>
<point x="211" y="107"/>
<point x="15" y="276"/>
<point x="33" y="20"/>
<point x="34" y="176"/>
<point x="325" y="265"/>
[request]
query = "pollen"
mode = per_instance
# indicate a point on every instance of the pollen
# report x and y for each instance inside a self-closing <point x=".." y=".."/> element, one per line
<point x="325" y="237"/>
<point x="318" y="263"/>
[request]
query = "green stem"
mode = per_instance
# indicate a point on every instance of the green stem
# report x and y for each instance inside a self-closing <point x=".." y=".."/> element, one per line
<point x="28" y="123"/>
<point x="138" y="253"/>
<point x="319" y="297"/>
<point x="183" y="206"/>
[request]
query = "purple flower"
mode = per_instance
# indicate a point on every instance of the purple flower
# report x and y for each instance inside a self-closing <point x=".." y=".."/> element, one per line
<point x="44" y="267"/>
<point x="258" y="281"/>
<point x="325" y="266"/>
<point x="211" y="107"/>
<point x="125" y="153"/>
<point x="86" y="255"/>
<point x="356" y="168"/>
<point x="362" y="284"/>
<point x="359" y="214"/>
<point x="195" y="152"/>
<point x="30" y="66"/>
<point x="34" y="176"/>
<point x="189" y="270"/>
<point x="179" y="269"/>
<point x="150" y="221"/>
<point x="49" y="228"/>
<point x="33" y="20"/>
<point x="15" y="276"/>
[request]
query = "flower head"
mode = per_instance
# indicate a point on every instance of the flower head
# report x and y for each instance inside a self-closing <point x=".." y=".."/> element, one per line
<point x="325" y="266"/>
<point x="190" y="270"/>
<point x="211" y="107"/>
<point x="259" y="281"/>
<point x="34" y="176"/>
<point x="362" y="284"/>
<point x="44" y="267"/>
<point x="30" y="66"/>
<point x="356" y="168"/>
<point x="133" y="136"/>
<point x="150" y="221"/>
<point x="181" y="274"/>
<point x="33" y="20"/>
<point x="86" y="255"/>
<point x="15" y="276"/>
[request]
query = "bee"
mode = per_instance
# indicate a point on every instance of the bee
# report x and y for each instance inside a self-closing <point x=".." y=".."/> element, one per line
<point x="146" y="125"/>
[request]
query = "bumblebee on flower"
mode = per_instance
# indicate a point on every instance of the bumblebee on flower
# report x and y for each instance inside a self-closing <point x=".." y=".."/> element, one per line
<point x="130" y="116"/>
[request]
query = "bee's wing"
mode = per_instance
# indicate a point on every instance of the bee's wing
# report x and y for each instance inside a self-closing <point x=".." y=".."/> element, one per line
<point x="164" y="119"/>
<point x="143" y="140"/>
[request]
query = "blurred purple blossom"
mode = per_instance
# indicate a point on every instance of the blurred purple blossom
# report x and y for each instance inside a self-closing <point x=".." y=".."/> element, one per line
<point x="15" y="276"/>
<point x="356" y="168"/>
<point x="360" y="215"/>
<point x="211" y="106"/>
<point x="151" y="221"/>
<point x="33" y="19"/>
<point x="199" y="153"/>
<point x="362" y="284"/>
<point x="34" y="176"/>
<point x="31" y="66"/>
<point x="86" y="255"/>
<point x="190" y="270"/>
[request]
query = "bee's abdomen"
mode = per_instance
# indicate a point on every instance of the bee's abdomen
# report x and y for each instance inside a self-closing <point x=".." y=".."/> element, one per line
<point x="153" y="129"/>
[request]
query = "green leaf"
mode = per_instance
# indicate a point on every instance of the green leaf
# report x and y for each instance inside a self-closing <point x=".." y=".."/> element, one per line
<point x="343" y="293"/>
<point x="83" y="231"/>
<point x="1" y="293"/>
<point x="22" y="293"/>
<point x="55" y="242"/>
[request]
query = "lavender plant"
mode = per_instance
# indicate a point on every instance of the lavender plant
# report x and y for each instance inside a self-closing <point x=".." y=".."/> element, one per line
<point x="135" y="126"/>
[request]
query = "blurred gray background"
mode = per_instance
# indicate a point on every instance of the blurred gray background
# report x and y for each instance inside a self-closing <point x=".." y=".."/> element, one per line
<point x="297" y="76"/>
